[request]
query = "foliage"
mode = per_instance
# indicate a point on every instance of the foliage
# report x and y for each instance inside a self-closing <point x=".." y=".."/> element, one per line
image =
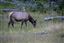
<point x="6" y="5"/>
<point x="36" y="5"/>
<point x="61" y="7"/>
<point x="9" y="0"/>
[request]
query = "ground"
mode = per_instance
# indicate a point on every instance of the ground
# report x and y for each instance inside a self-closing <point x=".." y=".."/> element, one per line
<point x="45" y="31"/>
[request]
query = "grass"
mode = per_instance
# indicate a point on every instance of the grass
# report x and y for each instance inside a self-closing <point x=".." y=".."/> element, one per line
<point x="31" y="38"/>
<point x="41" y="24"/>
<point x="17" y="27"/>
<point x="29" y="34"/>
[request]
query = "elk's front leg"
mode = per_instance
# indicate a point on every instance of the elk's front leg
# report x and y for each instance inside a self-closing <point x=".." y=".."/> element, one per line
<point x="9" y="24"/>
<point x="26" y="24"/>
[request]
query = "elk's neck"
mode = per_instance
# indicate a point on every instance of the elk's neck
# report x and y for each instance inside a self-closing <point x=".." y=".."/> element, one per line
<point x="31" y="19"/>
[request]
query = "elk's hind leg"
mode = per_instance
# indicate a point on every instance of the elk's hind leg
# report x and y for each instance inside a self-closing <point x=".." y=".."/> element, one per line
<point x="9" y="23"/>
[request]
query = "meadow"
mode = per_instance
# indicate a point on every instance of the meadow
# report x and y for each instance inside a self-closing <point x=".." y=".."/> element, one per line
<point x="45" y="31"/>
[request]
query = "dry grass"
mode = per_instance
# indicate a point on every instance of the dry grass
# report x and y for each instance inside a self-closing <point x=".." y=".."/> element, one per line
<point x="45" y="31"/>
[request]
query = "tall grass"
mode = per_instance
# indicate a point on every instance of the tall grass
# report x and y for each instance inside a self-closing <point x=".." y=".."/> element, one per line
<point x="53" y="31"/>
<point x="41" y="24"/>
